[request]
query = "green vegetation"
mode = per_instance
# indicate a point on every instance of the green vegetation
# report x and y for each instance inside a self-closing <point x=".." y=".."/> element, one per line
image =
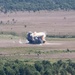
<point x="59" y="39"/>
<point x="44" y="67"/>
<point x="31" y="53"/>
<point x="61" y="36"/>
<point x="8" y="33"/>
<point x="36" y="5"/>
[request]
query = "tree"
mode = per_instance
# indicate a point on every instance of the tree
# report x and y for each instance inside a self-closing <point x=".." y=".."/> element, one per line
<point x="9" y="71"/>
<point x="36" y="5"/>
<point x="29" y="70"/>
<point x="63" y="72"/>
<point x="47" y="67"/>
<point x="48" y="72"/>
<point x="37" y="73"/>
<point x="2" y="71"/>
<point x="39" y="67"/>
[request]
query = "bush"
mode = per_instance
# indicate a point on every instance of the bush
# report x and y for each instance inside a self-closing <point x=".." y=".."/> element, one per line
<point x="38" y="68"/>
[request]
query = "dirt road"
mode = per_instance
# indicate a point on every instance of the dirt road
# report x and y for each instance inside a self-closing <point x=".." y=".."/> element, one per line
<point x="49" y="44"/>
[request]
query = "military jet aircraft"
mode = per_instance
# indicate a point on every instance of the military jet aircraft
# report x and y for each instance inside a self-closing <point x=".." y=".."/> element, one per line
<point x="36" y="37"/>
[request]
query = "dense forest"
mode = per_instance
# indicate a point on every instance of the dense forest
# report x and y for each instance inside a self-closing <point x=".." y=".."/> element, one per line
<point x="37" y="68"/>
<point x="36" y="5"/>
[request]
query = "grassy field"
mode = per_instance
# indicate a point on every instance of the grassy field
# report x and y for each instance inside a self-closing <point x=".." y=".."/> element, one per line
<point x="35" y="53"/>
<point x="52" y="22"/>
<point x="14" y="26"/>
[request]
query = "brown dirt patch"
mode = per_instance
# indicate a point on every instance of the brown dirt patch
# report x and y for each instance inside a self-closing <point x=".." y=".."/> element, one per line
<point x="54" y="22"/>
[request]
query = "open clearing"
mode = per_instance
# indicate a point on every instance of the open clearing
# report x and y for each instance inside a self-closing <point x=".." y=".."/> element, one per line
<point x="52" y="22"/>
<point x="50" y="44"/>
<point x="51" y="50"/>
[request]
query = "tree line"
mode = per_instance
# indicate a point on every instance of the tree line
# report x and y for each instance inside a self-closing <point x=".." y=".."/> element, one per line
<point x="36" y="5"/>
<point x="38" y="68"/>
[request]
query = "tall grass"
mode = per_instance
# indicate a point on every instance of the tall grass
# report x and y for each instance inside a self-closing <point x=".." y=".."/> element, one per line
<point x="61" y="36"/>
<point x="8" y="33"/>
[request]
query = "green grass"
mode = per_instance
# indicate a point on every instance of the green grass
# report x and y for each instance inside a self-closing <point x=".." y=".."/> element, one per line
<point x="60" y="39"/>
<point x="13" y="35"/>
<point x="27" y="53"/>
<point x="8" y="35"/>
<point x="2" y="36"/>
<point x="12" y="53"/>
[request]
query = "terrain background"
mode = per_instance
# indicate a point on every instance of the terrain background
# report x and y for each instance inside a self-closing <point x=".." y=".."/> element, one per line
<point x="36" y="5"/>
<point x="55" y="17"/>
<point x="59" y="26"/>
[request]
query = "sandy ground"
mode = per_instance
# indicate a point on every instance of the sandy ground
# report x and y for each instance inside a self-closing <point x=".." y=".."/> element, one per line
<point x="50" y="44"/>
